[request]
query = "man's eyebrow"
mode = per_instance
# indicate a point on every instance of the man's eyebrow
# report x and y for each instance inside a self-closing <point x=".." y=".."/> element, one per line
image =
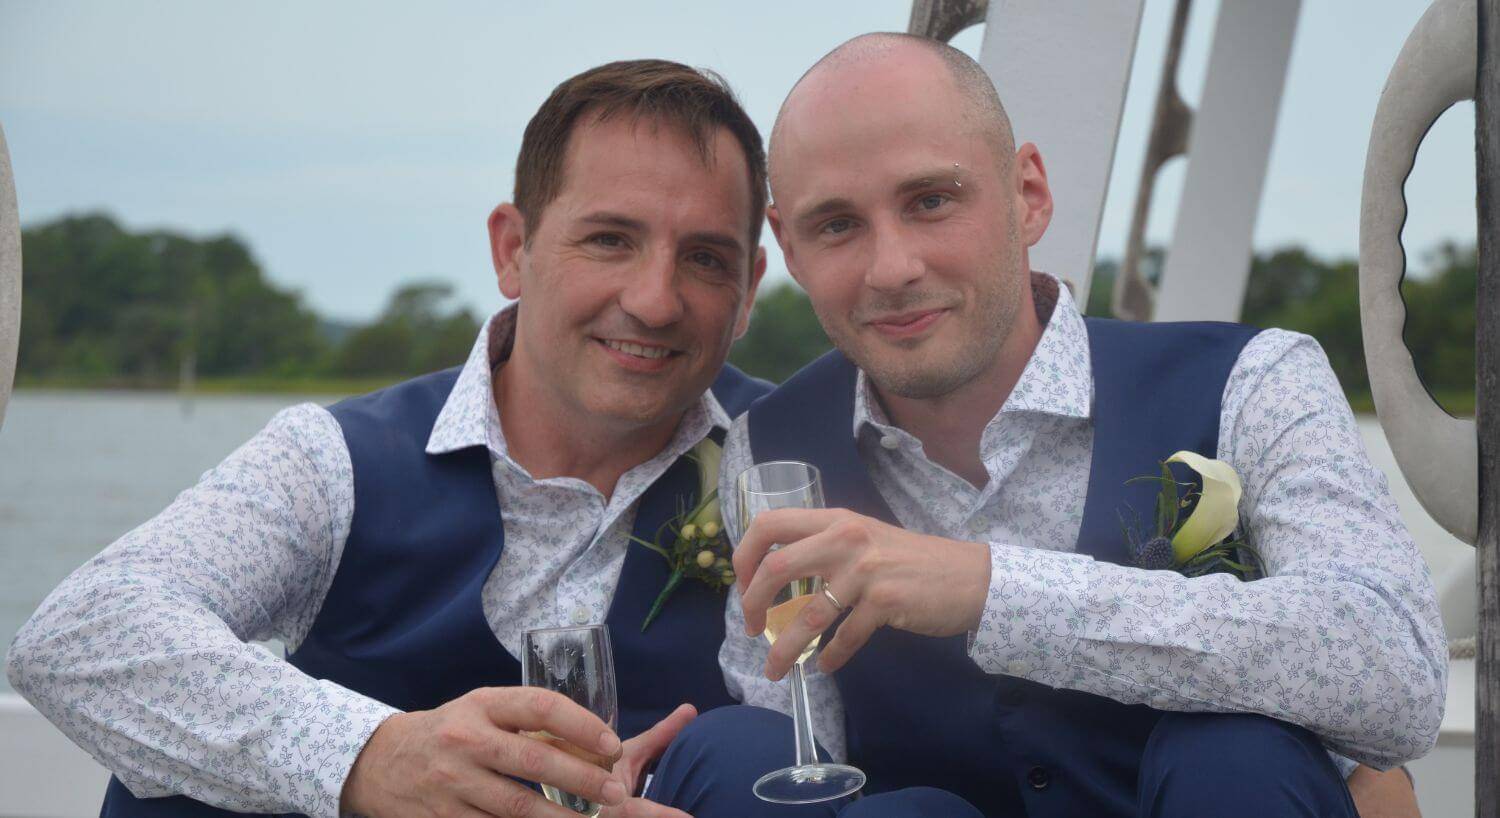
<point x="922" y="181"/>
<point x="723" y="241"/>
<point x="605" y="218"/>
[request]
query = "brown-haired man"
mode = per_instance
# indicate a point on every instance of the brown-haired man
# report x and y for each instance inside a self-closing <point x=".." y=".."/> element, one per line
<point x="369" y="539"/>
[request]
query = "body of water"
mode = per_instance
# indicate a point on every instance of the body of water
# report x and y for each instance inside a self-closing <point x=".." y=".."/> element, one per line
<point x="79" y="469"/>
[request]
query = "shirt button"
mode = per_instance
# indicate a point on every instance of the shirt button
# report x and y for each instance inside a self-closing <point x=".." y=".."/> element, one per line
<point x="1016" y="668"/>
<point x="890" y="441"/>
<point x="580" y="616"/>
<point x="1038" y="778"/>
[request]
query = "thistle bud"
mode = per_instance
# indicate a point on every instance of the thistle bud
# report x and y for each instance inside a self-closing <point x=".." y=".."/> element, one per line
<point x="721" y="564"/>
<point x="710" y="529"/>
<point x="727" y="577"/>
<point x="705" y="559"/>
<point x="689" y="531"/>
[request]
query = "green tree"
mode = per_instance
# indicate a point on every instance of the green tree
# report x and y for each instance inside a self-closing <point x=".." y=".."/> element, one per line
<point x="784" y="335"/>
<point x="415" y="333"/>
<point x="104" y="303"/>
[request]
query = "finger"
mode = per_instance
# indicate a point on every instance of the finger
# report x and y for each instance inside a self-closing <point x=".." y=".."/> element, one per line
<point x="532" y="708"/>
<point x="649" y="746"/>
<point x="544" y="761"/>
<point x="852" y="635"/>
<point x="641" y="808"/>
<point x="645" y="748"/>
<point x="500" y="797"/>
<point x="820" y="554"/>
<point x="782" y="525"/>
<point x="814" y="618"/>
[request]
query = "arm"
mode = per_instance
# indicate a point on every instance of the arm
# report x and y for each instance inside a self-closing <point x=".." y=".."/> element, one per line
<point x="742" y="657"/>
<point x="1343" y="636"/>
<point x="141" y="655"/>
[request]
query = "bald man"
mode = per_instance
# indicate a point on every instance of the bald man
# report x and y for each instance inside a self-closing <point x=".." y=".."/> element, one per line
<point x="992" y="645"/>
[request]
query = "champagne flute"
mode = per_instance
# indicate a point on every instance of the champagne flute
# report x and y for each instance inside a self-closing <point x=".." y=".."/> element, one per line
<point x="790" y="484"/>
<point x="578" y="663"/>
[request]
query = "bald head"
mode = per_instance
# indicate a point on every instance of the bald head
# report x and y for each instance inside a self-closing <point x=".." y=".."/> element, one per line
<point x="863" y="58"/>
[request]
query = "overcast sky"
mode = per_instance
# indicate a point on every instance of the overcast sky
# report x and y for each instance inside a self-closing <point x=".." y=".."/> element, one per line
<point x="356" y="146"/>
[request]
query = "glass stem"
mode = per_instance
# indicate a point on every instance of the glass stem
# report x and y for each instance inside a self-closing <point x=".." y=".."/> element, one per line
<point x="807" y="751"/>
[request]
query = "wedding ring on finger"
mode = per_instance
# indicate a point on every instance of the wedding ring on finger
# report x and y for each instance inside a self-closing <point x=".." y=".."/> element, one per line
<point x="828" y="594"/>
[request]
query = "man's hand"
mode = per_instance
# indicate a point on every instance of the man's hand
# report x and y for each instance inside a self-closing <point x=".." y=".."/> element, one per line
<point x="454" y="760"/>
<point x="886" y="575"/>
<point x="639" y="753"/>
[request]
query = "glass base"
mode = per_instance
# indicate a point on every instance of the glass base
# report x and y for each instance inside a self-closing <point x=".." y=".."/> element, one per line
<point x="809" y="783"/>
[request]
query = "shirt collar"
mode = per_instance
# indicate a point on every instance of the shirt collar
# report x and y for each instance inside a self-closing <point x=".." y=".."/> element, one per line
<point x="1057" y="379"/>
<point x="469" y="416"/>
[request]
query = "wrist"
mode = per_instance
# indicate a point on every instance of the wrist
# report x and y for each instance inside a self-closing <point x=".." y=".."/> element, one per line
<point x="355" y="797"/>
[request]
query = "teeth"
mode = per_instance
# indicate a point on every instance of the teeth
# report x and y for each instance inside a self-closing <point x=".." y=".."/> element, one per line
<point x="638" y="350"/>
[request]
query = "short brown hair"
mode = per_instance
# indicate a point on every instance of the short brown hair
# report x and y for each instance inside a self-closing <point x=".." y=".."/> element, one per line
<point x="697" y="101"/>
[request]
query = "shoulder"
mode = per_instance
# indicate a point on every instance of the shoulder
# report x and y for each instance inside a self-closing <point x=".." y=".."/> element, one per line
<point x="405" y="410"/>
<point x="1282" y="362"/>
<point x="1281" y="382"/>
<point x="735" y="390"/>
<point x="831" y="374"/>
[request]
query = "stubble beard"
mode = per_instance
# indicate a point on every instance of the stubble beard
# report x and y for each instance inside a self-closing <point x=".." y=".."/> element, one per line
<point x="927" y="375"/>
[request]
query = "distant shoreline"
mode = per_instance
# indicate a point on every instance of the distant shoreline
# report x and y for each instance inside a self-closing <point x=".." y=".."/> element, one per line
<point x="1459" y="404"/>
<point x="249" y="385"/>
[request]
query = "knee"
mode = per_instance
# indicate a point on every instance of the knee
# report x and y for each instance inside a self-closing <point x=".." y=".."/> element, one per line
<point x="734" y="726"/>
<point x="912" y="802"/>
<point x="1233" y="741"/>
<point x="1241" y="764"/>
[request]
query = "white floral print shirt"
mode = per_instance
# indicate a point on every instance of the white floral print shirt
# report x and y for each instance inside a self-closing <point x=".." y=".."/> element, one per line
<point x="1343" y="637"/>
<point x="142" y="655"/>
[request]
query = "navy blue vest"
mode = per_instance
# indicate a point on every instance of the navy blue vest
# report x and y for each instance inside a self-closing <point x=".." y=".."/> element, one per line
<point x="403" y="621"/>
<point x="918" y="711"/>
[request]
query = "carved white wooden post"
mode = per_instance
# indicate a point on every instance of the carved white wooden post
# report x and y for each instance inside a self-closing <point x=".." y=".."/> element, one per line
<point x="1208" y="262"/>
<point x="1452" y="465"/>
<point x="10" y="277"/>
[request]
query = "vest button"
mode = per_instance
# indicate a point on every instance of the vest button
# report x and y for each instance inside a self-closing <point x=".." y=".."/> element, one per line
<point x="1038" y="778"/>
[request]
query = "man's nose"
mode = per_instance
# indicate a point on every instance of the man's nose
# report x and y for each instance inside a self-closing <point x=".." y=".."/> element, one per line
<point x="893" y="265"/>
<point x="653" y="293"/>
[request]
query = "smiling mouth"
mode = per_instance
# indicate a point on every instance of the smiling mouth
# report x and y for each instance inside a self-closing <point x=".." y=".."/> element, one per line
<point x="908" y="324"/>
<point x="643" y="357"/>
<point x="638" y="350"/>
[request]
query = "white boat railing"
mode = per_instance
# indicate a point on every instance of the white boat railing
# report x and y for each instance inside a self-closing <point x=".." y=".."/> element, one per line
<point x="42" y="773"/>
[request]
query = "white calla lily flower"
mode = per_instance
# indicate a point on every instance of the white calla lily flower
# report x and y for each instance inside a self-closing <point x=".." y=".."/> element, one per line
<point x="708" y="454"/>
<point x="1217" y="512"/>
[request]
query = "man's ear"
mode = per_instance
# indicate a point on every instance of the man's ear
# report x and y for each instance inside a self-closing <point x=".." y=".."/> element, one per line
<point x="1033" y="195"/>
<point x="757" y="271"/>
<point x="773" y="215"/>
<point x="507" y="247"/>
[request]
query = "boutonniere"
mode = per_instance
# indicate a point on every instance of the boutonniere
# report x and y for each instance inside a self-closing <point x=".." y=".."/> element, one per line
<point x="1198" y="542"/>
<point x="693" y="542"/>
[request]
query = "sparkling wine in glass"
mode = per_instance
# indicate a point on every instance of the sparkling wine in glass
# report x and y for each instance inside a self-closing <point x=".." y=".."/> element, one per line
<point x="791" y="484"/>
<point x="578" y="663"/>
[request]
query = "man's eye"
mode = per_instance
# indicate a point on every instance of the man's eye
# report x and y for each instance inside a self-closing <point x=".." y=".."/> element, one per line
<point x="611" y="241"/>
<point x="932" y="201"/>
<point x="834" y="227"/>
<point x="706" y="259"/>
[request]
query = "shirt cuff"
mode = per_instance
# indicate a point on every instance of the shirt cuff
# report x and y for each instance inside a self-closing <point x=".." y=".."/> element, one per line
<point x="341" y="723"/>
<point x="1033" y="616"/>
<point x="1346" y="766"/>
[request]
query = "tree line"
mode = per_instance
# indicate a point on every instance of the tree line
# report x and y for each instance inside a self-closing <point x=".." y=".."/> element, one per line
<point x="104" y="306"/>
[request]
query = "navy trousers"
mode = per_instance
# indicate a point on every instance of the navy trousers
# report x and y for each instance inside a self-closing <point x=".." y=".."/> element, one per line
<point x="1228" y="765"/>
